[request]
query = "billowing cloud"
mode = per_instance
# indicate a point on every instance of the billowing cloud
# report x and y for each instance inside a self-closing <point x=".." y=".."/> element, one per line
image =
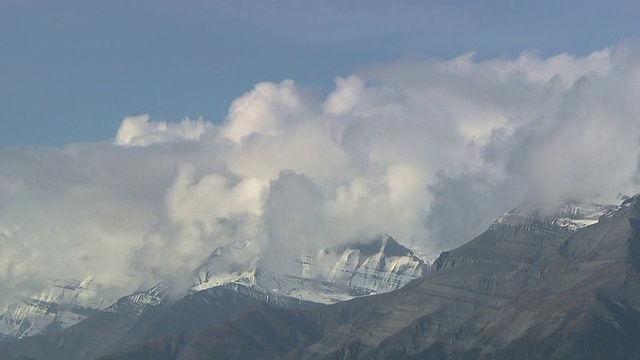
<point x="429" y="152"/>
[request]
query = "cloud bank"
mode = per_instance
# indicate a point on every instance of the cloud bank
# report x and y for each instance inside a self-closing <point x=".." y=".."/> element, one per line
<point x="430" y="152"/>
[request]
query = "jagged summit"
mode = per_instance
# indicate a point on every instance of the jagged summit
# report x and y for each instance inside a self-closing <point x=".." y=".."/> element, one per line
<point x="385" y="245"/>
<point x="324" y="276"/>
<point x="137" y="302"/>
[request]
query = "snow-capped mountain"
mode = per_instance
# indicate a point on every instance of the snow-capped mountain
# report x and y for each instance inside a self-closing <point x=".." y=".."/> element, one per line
<point x="60" y="305"/>
<point x="517" y="291"/>
<point x="325" y="276"/>
<point x="570" y="217"/>
<point x="137" y="302"/>
<point x="532" y="275"/>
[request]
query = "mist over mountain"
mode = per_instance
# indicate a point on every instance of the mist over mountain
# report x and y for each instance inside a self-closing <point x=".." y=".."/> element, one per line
<point x="70" y="320"/>
<point x="530" y="287"/>
<point x="233" y="271"/>
<point x="427" y="151"/>
<point x="534" y="285"/>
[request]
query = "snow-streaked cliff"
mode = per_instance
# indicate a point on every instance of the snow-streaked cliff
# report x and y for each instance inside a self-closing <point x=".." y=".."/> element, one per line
<point x="568" y="217"/>
<point x="60" y="305"/>
<point x="325" y="276"/>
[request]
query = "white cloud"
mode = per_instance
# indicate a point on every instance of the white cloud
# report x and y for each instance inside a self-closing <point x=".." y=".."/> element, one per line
<point x="138" y="131"/>
<point x="427" y="151"/>
<point x="210" y="198"/>
<point x="269" y="109"/>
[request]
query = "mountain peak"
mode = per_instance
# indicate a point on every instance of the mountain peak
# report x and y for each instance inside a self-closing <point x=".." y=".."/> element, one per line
<point x="384" y="245"/>
<point x="139" y="301"/>
<point x="569" y="216"/>
<point x="326" y="275"/>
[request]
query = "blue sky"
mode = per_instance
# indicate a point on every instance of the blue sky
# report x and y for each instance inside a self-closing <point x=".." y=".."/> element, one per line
<point x="72" y="70"/>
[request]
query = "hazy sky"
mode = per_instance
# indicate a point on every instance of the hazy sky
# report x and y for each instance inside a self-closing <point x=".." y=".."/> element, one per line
<point x="70" y="71"/>
<point x="138" y="136"/>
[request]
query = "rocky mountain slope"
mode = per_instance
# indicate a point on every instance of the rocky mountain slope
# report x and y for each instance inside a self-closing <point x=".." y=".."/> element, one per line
<point x="530" y="287"/>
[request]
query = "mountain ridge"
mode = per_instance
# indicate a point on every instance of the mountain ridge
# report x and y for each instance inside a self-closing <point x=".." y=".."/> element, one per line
<point x="511" y="292"/>
<point x="516" y="290"/>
